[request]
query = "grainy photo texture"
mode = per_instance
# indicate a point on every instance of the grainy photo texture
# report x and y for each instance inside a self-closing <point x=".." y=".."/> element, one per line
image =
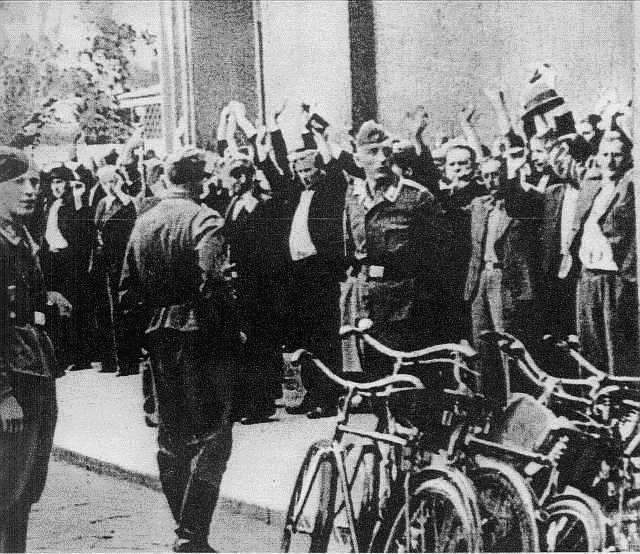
<point x="319" y="276"/>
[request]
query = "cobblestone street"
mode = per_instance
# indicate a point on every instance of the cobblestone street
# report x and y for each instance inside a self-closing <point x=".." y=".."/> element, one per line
<point x="81" y="511"/>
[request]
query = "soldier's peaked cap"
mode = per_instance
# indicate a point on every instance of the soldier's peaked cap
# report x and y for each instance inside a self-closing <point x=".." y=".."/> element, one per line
<point x="371" y="133"/>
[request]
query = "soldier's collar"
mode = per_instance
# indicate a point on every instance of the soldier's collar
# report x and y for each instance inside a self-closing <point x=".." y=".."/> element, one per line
<point x="16" y="233"/>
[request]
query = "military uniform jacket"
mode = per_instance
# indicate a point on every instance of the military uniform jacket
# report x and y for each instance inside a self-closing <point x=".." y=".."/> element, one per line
<point x="395" y="236"/>
<point x="173" y="268"/>
<point x="26" y="348"/>
<point x="26" y="365"/>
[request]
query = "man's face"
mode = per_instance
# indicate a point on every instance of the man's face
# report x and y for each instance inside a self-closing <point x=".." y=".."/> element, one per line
<point x="612" y="160"/>
<point x="57" y="188"/>
<point x="307" y="171"/>
<point x="109" y="183"/>
<point x="372" y="158"/>
<point x="18" y="196"/>
<point x="490" y="171"/>
<point x="458" y="164"/>
<point x="585" y="129"/>
<point x="538" y="154"/>
<point x="239" y="181"/>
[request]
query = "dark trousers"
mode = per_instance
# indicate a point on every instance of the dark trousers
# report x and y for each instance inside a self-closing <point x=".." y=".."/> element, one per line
<point x="607" y="313"/>
<point x="494" y="309"/>
<point x="193" y="383"/>
<point x="265" y="318"/>
<point x="13" y="528"/>
<point x="105" y="335"/>
<point x="315" y="324"/>
<point x="557" y="305"/>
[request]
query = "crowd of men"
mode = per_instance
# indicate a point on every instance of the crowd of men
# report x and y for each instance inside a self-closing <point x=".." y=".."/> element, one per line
<point x="213" y="263"/>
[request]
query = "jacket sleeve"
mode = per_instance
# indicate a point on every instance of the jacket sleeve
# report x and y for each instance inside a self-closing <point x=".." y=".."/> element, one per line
<point x="217" y="308"/>
<point x="280" y="153"/>
<point x="5" y="332"/>
<point x="521" y="204"/>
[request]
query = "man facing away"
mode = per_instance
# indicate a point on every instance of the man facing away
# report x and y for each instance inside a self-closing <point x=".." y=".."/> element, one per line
<point x="173" y="275"/>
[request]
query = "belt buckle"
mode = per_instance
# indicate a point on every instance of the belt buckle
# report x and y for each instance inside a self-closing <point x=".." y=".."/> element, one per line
<point x="39" y="318"/>
<point x="376" y="271"/>
<point x="490" y="266"/>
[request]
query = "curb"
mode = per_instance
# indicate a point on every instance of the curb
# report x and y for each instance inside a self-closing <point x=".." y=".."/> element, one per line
<point x="228" y="504"/>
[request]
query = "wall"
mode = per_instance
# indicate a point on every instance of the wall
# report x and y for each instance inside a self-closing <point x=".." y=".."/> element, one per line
<point x="223" y="60"/>
<point x="306" y="57"/>
<point x="442" y="54"/>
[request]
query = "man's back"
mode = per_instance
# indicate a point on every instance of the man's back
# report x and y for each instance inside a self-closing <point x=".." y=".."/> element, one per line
<point x="163" y="249"/>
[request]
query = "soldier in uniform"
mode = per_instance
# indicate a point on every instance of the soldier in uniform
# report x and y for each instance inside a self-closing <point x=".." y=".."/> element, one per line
<point x="393" y="245"/>
<point x="173" y="274"/>
<point x="27" y="365"/>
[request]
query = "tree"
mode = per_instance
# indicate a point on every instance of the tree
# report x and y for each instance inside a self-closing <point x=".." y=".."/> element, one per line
<point x="37" y="74"/>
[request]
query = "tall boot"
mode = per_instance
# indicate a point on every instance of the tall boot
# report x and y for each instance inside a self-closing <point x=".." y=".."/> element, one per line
<point x="199" y="504"/>
<point x="173" y="478"/>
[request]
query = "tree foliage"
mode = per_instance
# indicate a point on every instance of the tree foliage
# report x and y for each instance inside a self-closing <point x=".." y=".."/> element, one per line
<point x="37" y="74"/>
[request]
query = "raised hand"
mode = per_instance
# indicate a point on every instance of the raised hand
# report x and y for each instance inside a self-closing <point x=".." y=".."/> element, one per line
<point x="278" y="111"/>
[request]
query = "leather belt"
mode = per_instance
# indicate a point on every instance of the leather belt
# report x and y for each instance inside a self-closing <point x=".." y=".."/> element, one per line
<point x="493" y="265"/>
<point x="372" y="271"/>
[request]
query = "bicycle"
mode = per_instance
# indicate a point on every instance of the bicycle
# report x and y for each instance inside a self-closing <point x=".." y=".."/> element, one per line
<point x="586" y="497"/>
<point x="460" y="416"/>
<point x="403" y="506"/>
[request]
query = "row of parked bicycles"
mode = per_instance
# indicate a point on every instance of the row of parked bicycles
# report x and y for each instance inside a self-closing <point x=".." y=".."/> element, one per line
<point x="439" y="466"/>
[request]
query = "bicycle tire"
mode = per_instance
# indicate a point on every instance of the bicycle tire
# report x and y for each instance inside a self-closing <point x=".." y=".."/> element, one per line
<point x="507" y="511"/>
<point x="313" y="523"/>
<point x="438" y="521"/>
<point x="579" y="527"/>
<point x="363" y="482"/>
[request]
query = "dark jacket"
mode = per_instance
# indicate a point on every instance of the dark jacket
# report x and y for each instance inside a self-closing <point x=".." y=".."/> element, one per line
<point x="113" y="226"/>
<point x="26" y="368"/>
<point x="515" y="248"/>
<point x="173" y="268"/>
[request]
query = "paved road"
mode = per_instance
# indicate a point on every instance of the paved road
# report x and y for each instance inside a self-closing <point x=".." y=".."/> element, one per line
<point x="81" y="511"/>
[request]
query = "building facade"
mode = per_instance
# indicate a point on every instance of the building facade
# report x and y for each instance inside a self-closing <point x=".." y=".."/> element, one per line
<point x="360" y="59"/>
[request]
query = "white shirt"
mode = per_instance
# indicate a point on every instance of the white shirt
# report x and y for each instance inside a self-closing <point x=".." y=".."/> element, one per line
<point x="595" y="250"/>
<point x="300" y="243"/>
<point x="569" y="205"/>
<point x="494" y="221"/>
<point x="52" y="233"/>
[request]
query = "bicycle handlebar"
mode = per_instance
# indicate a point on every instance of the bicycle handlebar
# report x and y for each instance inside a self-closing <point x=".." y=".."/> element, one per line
<point x="371" y="387"/>
<point x="514" y="347"/>
<point x="570" y="347"/>
<point x="463" y="349"/>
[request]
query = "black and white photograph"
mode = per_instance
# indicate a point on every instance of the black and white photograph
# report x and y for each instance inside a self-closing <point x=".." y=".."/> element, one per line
<point x="319" y="276"/>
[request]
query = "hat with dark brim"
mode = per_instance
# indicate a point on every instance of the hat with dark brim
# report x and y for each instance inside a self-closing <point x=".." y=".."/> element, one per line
<point x="539" y="98"/>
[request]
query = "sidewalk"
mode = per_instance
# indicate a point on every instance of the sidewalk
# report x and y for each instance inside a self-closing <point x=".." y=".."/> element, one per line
<point x="101" y="426"/>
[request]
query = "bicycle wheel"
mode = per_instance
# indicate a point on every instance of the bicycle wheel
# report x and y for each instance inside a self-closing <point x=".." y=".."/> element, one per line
<point x="307" y="526"/>
<point x="438" y="521"/>
<point x="362" y="468"/>
<point x="506" y="511"/>
<point x="573" y="525"/>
